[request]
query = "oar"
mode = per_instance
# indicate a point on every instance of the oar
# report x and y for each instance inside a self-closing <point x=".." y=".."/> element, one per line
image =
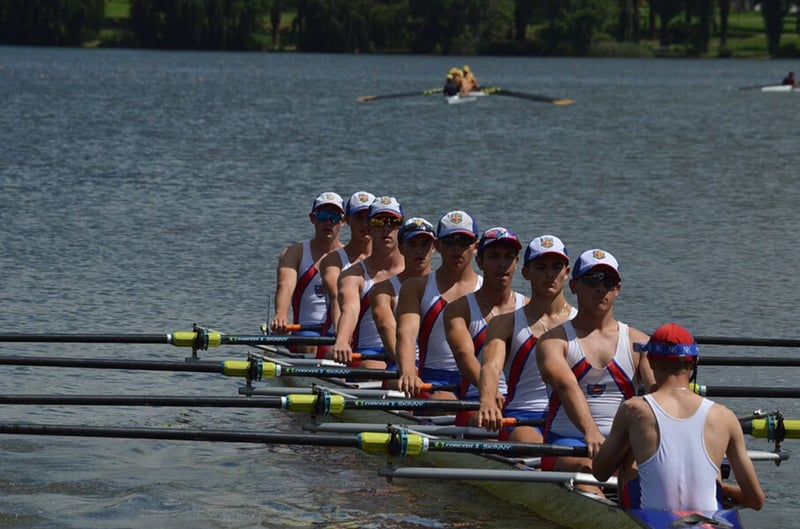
<point x="767" y="361"/>
<point x="747" y="342"/>
<point x="347" y="392"/>
<point x="468" y="432"/>
<point x="321" y="404"/>
<point x="746" y="391"/>
<point x="496" y="90"/>
<point x="196" y="339"/>
<point x="431" y="91"/>
<point x="476" y="474"/>
<point x="395" y="443"/>
<point x="252" y="369"/>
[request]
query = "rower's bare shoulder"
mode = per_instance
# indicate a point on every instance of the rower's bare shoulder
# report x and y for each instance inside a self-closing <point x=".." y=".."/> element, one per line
<point x="291" y="256"/>
<point x="637" y="336"/>
<point x="330" y="259"/>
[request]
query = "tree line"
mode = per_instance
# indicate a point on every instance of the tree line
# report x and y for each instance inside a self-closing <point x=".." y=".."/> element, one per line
<point x="528" y="27"/>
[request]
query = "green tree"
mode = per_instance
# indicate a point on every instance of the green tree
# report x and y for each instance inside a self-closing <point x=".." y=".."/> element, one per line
<point x="773" y="12"/>
<point x="50" y="22"/>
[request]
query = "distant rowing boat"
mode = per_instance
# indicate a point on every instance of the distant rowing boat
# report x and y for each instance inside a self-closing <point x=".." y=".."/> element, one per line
<point x="551" y="495"/>
<point x="464" y="98"/>
<point x="780" y="88"/>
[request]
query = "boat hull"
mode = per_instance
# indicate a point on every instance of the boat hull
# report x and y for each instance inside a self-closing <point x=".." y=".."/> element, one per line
<point x="780" y="88"/>
<point x="561" y="503"/>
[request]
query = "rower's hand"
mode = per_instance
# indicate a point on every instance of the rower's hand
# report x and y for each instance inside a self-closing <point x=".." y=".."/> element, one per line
<point x="594" y="440"/>
<point x="490" y="416"/>
<point x="278" y="324"/>
<point x="410" y="384"/>
<point x="342" y="352"/>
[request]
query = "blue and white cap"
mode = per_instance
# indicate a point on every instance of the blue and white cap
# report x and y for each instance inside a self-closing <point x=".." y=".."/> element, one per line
<point x="457" y="222"/>
<point x="414" y="227"/>
<point x="359" y="201"/>
<point x="595" y="258"/>
<point x="328" y="198"/>
<point x="543" y="245"/>
<point x="496" y="235"/>
<point x="385" y="206"/>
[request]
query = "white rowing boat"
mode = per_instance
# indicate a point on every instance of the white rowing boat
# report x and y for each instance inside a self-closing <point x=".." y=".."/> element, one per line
<point x="464" y="98"/>
<point x="551" y="495"/>
<point x="780" y="88"/>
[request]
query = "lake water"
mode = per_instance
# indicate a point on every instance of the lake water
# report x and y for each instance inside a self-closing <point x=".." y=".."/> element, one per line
<point x="144" y="191"/>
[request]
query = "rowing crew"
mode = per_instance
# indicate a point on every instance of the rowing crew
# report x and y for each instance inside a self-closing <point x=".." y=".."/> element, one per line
<point x="460" y="81"/>
<point x="573" y="366"/>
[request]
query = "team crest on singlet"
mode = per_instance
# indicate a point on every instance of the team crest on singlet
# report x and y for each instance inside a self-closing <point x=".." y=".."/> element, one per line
<point x="595" y="390"/>
<point x="319" y="291"/>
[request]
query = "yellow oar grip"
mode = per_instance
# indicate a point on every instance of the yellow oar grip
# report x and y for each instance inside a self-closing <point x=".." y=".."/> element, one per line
<point x="378" y="443"/>
<point x="761" y="429"/>
<point x="236" y="368"/>
<point x="187" y="338"/>
<point x="308" y="403"/>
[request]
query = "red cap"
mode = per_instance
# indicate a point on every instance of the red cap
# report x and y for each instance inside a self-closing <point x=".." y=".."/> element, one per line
<point x="672" y="333"/>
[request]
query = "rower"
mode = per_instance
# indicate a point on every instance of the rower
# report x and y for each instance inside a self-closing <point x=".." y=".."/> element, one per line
<point x="511" y="338"/>
<point x="589" y="364"/>
<point x="299" y="284"/>
<point x="452" y="85"/>
<point x="466" y="319"/>
<point x="789" y="80"/>
<point x="421" y="306"/>
<point x="356" y="215"/>
<point x="469" y="83"/>
<point x="356" y="329"/>
<point x="415" y="238"/>
<point x="677" y="438"/>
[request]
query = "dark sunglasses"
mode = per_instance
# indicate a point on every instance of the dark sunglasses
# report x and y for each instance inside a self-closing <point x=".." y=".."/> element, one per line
<point x="380" y="222"/>
<point x="607" y="279"/>
<point x="458" y="240"/>
<point x="328" y="216"/>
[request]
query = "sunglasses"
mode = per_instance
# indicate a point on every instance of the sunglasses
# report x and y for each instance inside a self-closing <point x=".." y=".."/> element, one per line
<point x="458" y="240"/>
<point x="608" y="280"/>
<point x="328" y="216"/>
<point x="380" y="222"/>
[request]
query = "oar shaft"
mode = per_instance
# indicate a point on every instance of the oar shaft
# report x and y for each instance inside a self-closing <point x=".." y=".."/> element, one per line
<point x="113" y="363"/>
<point x="88" y="338"/>
<point x="135" y="400"/>
<point x="176" y="434"/>
<point x="180" y="339"/>
<point x="770" y="361"/>
<point x="746" y="391"/>
<point x="747" y="342"/>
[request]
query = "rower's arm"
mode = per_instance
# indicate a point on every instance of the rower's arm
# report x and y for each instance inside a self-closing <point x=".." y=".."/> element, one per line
<point x="498" y="332"/>
<point x="644" y="373"/>
<point x="408" y="323"/>
<point x="381" y="301"/>
<point x="350" y="303"/>
<point x="288" y="263"/>
<point x="329" y="270"/>
<point x="611" y="455"/>
<point x="551" y="358"/>
<point x="750" y="493"/>
<point x="456" y="315"/>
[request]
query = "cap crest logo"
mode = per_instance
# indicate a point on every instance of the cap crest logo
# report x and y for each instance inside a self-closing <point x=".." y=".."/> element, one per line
<point x="386" y="200"/>
<point x="547" y="242"/>
<point x="419" y="222"/>
<point x="362" y="197"/>
<point x="456" y="218"/>
<point x="599" y="254"/>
